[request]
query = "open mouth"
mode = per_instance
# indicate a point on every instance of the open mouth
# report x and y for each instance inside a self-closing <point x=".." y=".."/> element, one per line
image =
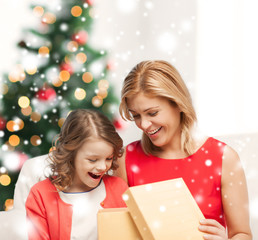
<point x="94" y="175"/>
<point x="154" y="131"/>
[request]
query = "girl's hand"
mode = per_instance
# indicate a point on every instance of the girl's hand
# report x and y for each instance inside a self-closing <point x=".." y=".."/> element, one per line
<point x="212" y="230"/>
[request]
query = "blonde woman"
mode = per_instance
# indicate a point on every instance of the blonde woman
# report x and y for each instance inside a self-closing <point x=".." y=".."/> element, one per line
<point x="156" y="98"/>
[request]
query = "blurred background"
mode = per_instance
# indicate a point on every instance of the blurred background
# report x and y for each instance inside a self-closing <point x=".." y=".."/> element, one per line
<point x="213" y="44"/>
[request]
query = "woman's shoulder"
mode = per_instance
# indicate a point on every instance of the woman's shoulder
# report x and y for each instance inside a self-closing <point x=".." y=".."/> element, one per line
<point x="134" y="148"/>
<point x="230" y="157"/>
<point x="133" y="145"/>
<point x="206" y="142"/>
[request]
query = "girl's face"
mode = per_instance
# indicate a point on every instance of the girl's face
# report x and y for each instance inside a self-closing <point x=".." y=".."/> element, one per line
<point x="157" y="118"/>
<point x="93" y="159"/>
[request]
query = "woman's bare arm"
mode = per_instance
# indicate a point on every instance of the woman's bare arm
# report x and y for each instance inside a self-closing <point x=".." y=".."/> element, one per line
<point x="235" y="196"/>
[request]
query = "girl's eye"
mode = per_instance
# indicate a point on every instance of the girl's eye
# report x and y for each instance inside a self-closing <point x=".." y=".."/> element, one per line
<point x="109" y="159"/>
<point x="92" y="160"/>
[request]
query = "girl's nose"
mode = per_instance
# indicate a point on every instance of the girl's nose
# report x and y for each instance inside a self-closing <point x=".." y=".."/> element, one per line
<point x="101" y="165"/>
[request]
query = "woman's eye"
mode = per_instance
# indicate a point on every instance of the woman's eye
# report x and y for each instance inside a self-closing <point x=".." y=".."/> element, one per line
<point x="136" y="116"/>
<point x="153" y="113"/>
<point x="109" y="159"/>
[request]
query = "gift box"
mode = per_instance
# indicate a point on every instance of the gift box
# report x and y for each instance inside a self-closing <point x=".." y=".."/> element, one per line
<point x="116" y="224"/>
<point x="164" y="210"/>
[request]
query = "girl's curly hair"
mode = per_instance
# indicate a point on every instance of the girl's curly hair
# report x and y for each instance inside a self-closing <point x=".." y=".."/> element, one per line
<point x="80" y="125"/>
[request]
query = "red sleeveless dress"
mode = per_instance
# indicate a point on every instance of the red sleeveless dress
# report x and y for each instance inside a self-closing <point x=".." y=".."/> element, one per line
<point x="200" y="171"/>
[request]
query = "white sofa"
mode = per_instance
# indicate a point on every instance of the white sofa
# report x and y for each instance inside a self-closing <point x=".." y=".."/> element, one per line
<point x="13" y="223"/>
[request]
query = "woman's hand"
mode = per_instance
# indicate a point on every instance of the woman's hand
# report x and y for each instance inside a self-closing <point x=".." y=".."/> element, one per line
<point x="212" y="230"/>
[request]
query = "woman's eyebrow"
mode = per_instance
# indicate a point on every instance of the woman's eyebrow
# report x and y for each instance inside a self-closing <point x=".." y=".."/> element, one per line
<point x="150" y="108"/>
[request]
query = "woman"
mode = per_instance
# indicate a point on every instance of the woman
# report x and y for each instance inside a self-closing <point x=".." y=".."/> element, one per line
<point x="155" y="97"/>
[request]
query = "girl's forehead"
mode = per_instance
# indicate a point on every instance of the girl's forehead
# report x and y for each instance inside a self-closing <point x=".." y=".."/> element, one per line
<point x="96" y="146"/>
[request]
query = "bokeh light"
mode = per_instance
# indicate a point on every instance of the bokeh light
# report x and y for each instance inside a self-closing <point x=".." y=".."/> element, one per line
<point x="102" y="92"/>
<point x="81" y="58"/>
<point x="15" y="125"/>
<point x="49" y="18"/>
<point x="64" y="76"/>
<point x="38" y="11"/>
<point x="87" y="77"/>
<point x="24" y="102"/>
<point x="31" y="70"/>
<point x="35" y="140"/>
<point x="10" y="125"/>
<point x="26" y="111"/>
<point x="4" y="89"/>
<point x="97" y="101"/>
<point x="79" y="93"/>
<point x="72" y="46"/>
<point x="17" y="74"/>
<point x="43" y="51"/>
<point x="35" y="117"/>
<point x="5" y="180"/>
<point x="14" y="140"/>
<point x="61" y="122"/>
<point x="57" y="82"/>
<point x="76" y="11"/>
<point x="103" y="84"/>
<point x="8" y="205"/>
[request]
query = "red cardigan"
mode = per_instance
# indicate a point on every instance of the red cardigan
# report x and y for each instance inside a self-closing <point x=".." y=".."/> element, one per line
<point x="51" y="218"/>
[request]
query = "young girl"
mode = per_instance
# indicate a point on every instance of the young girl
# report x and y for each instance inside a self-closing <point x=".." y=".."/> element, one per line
<point x="156" y="98"/>
<point x="64" y="206"/>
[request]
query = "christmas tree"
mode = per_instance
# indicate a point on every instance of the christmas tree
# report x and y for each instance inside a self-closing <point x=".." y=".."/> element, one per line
<point x="58" y="71"/>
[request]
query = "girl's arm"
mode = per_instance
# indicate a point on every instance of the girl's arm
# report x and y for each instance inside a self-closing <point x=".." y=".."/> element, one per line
<point x="235" y="202"/>
<point x="36" y="217"/>
<point x="121" y="171"/>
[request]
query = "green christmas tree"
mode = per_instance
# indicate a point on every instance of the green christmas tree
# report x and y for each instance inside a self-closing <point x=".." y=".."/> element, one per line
<point x="58" y="71"/>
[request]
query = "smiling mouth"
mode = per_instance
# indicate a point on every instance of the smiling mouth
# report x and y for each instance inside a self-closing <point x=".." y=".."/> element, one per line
<point x="154" y="131"/>
<point x="94" y="175"/>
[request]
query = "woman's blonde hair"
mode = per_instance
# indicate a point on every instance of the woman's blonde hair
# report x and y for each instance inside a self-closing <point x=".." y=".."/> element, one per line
<point x="79" y="126"/>
<point x="160" y="79"/>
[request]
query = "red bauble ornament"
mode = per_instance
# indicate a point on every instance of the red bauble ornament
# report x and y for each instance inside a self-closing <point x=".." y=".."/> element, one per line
<point x="22" y="157"/>
<point x="118" y="123"/>
<point x="80" y="37"/>
<point x="111" y="65"/>
<point x="90" y="2"/>
<point x="2" y="123"/>
<point x="67" y="67"/>
<point x="46" y="94"/>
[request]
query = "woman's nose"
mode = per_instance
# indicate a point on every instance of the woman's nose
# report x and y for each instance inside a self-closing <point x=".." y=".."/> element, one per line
<point x="145" y="123"/>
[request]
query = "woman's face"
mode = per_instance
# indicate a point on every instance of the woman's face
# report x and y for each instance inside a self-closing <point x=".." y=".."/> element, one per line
<point x="93" y="159"/>
<point x="157" y="118"/>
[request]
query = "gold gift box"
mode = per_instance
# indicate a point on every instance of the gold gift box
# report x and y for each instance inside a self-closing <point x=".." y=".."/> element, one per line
<point x="116" y="224"/>
<point x="164" y="210"/>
